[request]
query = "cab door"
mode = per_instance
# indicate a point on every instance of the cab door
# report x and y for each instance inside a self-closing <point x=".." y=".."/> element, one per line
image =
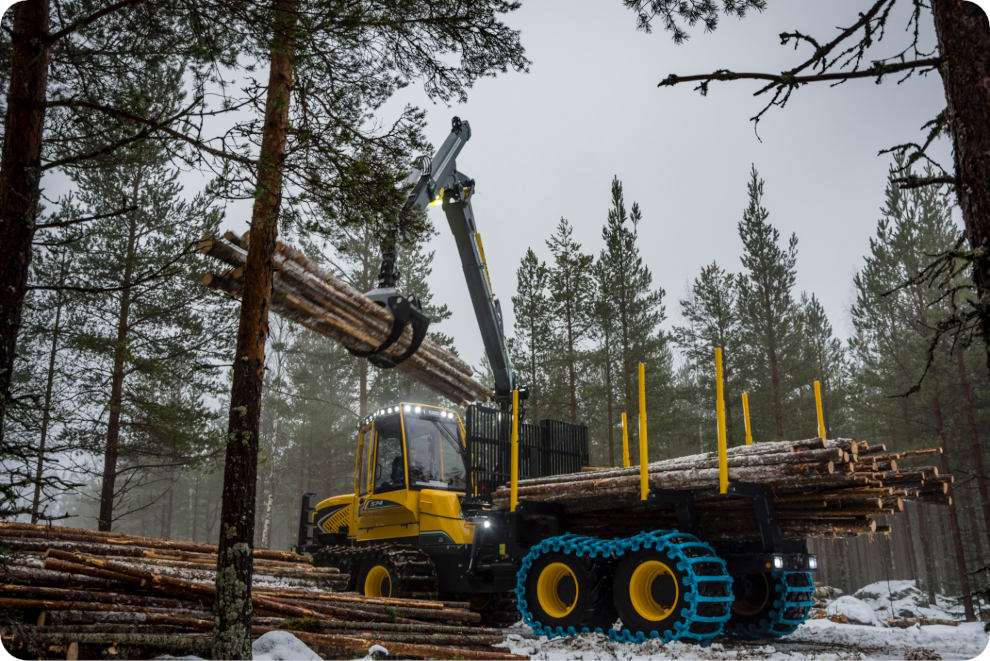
<point x="389" y="510"/>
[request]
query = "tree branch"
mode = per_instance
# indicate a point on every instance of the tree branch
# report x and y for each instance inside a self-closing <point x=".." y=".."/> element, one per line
<point x="76" y="221"/>
<point x="86" y="20"/>
<point x="787" y="79"/>
<point x="153" y="126"/>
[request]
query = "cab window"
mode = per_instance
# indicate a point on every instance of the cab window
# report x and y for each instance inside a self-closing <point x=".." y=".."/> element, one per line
<point x="389" y="465"/>
<point x="366" y="445"/>
<point x="435" y="459"/>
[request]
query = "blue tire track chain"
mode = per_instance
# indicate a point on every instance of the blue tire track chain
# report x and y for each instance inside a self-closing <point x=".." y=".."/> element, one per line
<point x="695" y="559"/>
<point x="792" y="601"/>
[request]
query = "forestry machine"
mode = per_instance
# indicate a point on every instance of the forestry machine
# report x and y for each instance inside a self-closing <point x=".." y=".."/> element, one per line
<point x="418" y="520"/>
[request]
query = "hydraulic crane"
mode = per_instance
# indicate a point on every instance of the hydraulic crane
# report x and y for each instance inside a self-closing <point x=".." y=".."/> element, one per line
<point x="437" y="180"/>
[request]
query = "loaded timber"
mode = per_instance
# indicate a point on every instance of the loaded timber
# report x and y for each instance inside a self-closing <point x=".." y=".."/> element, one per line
<point x="508" y="516"/>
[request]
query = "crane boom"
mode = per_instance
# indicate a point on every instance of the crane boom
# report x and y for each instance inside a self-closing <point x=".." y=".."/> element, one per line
<point x="438" y="177"/>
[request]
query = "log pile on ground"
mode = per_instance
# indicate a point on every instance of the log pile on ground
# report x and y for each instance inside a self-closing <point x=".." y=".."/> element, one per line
<point x="821" y="488"/>
<point x="70" y="593"/>
<point x="312" y="296"/>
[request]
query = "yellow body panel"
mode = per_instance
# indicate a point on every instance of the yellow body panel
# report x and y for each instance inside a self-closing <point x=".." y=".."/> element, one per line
<point x="403" y="513"/>
<point x="440" y="512"/>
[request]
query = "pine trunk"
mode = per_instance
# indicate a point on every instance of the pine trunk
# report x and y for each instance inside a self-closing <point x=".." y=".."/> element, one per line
<point x="778" y="409"/>
<point x="975" y="451"/>
<point x="963" y="573"/>
<point x="117" y="381"/>
<point x="20" y="173"/>
<point x="46" y="415"/>
<point x="964" y="43"/>
<point x="233" y="610"/>
<point x="571" y="373"/>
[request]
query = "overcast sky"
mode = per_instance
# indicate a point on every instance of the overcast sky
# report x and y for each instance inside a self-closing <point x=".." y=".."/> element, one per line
<point x="546" y="144"/>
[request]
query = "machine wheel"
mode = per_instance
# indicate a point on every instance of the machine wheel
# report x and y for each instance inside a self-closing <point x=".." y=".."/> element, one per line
<point x="383" y="569"/>
<point x="565" y="594"/>
<point x="670" y="585"/>
<point x="769" y="604"/>
<point x="376" y="579"/>
<point x="649" y="591"/>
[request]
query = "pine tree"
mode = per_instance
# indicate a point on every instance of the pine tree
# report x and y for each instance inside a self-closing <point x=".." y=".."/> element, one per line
<point x="823" y="358"/>
<point x="894" y="319"/>
<point x="148" y="325"/>
<point x="532" y="346"/>
<point x="638" y="311"/>
<point x="570" y="295"/>
<point x="604" y="360"/>
<point x="767" y="313"/>
<point x="711" y="313"/>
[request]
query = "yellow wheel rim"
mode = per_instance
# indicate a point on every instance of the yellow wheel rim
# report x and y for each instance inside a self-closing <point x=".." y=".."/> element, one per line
<point x="642" y="586"/>
<point x="377" y="582"/>
<point x="553" y="587"/>
<point x="745" y="607"/>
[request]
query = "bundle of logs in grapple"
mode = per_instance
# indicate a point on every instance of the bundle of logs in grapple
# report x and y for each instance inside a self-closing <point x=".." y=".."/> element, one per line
<point x="308" y="294"/>
<point x="821" y="488"/>
<point x="70" y="593"/>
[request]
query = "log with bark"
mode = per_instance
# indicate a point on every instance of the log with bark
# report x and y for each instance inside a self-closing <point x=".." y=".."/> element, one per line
<point x="304" y="292"/>
<point x="821" y="488"/>
<point x="79" y="592"/>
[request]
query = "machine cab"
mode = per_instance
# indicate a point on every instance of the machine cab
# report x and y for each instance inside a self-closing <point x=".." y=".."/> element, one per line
<point x="409" y="474"/>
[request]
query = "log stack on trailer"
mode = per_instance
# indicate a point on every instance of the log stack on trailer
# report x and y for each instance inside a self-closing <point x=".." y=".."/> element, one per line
<point x="821" y="488"/>
<point x="71" y="593"/>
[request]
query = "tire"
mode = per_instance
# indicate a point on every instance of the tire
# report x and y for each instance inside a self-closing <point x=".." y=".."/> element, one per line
<point x="564" y="592"/>
<point x="649" y="591"/>
<point x="769" y="604"/>
<point x="377" y="579"/>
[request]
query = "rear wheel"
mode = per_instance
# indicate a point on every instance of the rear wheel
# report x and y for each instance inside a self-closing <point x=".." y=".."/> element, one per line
<point x="769" y="604"/>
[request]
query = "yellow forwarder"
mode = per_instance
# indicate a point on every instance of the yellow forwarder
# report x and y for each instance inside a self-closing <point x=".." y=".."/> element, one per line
<point x="417" y="521"/>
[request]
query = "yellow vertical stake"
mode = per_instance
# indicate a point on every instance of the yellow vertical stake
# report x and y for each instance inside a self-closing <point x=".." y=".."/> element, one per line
<point x="818" y="407"/>
<point x="644" y="482"/>
<point x="723" y="462"/>
<point x="625" y="441"/>
<point x="514" y="458"/>
<point x="749" y="433"/>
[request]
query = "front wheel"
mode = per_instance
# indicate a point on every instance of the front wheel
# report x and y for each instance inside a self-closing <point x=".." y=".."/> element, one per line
<point x="565" y="594"/>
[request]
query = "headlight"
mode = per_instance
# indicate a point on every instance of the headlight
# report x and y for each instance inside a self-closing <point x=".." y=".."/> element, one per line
<point x="778" y="561"/>
<point x="487" y="523"/>
<point x="812" y="562"/>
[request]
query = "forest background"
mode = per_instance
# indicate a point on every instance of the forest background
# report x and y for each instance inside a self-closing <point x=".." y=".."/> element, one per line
<point x="120" y="345"/>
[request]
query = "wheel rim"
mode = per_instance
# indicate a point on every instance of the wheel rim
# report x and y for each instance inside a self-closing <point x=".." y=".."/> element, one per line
<point x="557" y="590"/>
<point x="753" y="592"/>
<point x="653" y="590"/>
<point x="377" y="582"/>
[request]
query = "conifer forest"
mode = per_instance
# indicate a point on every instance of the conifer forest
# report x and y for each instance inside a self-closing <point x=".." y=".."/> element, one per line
<point x="136" y="399"/>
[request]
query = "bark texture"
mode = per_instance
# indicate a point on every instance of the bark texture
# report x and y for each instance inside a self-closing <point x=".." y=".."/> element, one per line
<point x="963" y="34"/>
<point x="232" y="609"/>
<point x="20" y="173"/>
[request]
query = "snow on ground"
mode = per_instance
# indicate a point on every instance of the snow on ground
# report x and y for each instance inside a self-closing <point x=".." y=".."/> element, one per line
<point x="817" y="640"/>
<point x="856" y="611"/>
<point x="281" y="646"/>
<point x="899" y="599"/>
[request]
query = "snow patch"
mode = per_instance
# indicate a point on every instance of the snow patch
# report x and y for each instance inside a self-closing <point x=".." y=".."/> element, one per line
<point x="855" y="611"/>
<point x="904" y="599"/>
<point x="281" y="646"/>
